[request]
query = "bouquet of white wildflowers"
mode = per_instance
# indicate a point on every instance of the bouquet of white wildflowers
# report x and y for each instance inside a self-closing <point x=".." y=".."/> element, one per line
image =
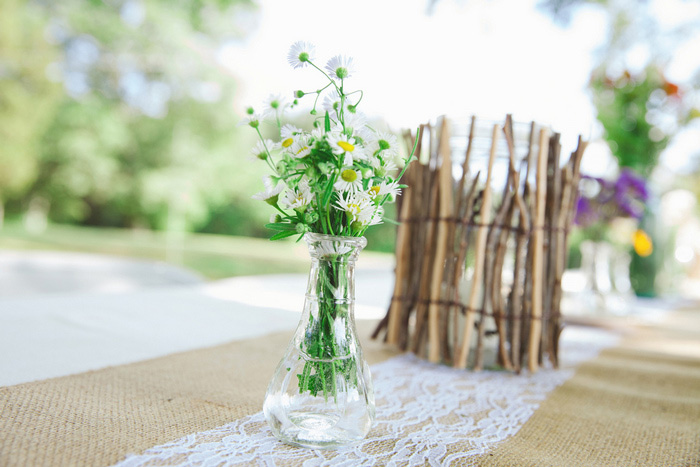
<point x="333" y="180"/>
<point x="336" y="178"/>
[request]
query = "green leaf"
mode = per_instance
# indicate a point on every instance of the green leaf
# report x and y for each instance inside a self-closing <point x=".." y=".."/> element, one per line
<point x="281" y="226"/>
<point x="327" y="122"/>
<point x="285" y="234"/>
<point x="329" y="189"/>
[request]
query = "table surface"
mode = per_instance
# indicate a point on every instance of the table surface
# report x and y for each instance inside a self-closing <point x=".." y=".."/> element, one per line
<point x="110" y="331"/>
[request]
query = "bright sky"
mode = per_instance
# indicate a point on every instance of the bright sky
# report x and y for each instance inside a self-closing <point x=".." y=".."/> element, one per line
<point x="482" y="57"/>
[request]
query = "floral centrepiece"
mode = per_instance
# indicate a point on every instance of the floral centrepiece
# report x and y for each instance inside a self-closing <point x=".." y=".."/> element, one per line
<point x="336" y="178"/>
<point x="328" y="186"/>
<point x="608" y="214"/>
<point x="602" y="201"/>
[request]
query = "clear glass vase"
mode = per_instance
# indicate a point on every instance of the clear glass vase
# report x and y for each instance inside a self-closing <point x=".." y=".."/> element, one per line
<point x="321" y="393"/>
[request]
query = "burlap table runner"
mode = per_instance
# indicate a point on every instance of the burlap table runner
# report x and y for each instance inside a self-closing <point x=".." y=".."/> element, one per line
<point x="96" y="418"/>
<point x="634" y="405"/>
<point x="638" y="404"/>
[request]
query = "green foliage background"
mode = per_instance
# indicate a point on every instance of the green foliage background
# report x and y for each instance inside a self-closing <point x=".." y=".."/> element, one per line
<point x="117" y="114"/>
<point x="81" y="141"/>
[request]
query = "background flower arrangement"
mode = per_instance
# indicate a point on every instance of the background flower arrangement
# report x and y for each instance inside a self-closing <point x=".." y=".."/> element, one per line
<point x="602" y="202"/>
<point x="640" y="113"/>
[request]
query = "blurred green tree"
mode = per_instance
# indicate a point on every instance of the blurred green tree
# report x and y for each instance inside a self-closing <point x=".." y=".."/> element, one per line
<point x="27" y="96"/>
<point x="145" y="135"/>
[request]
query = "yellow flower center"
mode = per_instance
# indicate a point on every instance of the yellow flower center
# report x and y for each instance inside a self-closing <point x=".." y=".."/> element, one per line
<point x="302" y="150"/>
<point x="348" y="175"/>
<point x="345" y="146"/>
<point x="374" y="191"/>
<point x="642" y="243"/>
<point x="287" y="142"/>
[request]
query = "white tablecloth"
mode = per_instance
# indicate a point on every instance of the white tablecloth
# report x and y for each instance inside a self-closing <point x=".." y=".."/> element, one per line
<point x="63" y="314"/>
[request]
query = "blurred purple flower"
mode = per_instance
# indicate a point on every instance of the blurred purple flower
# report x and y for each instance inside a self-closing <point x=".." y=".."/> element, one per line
<point x="585" y="214"/>
<point x="631" y="193"/>
<point x="601" y="201"/>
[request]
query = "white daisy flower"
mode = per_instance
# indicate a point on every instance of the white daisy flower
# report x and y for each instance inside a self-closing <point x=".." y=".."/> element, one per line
<point x="371" y="216"/>
<point x="349" y="180"/>
<point x="271" y="193"/>
<point x="387" y="143"/>
<point x="317" y="134"/>
<point x="383" y="166"/>
<point x="355" y="205"/>
<point x="331" y="103"/>
<point x="301" y="53"/>
<point x="327" y="250"/>
<point x="251" y="120"/>
<point x="299" y="197"/>
<point x="342" y="144"/>
<point x="300" y="148"/>
<point x="340" y="67"/>
<point x="289" y="134"/>
<point x="356" y="123"/>
<point x="392" y="189"/>
<point x="275" y="106"/>
<point x="262" y="149"/>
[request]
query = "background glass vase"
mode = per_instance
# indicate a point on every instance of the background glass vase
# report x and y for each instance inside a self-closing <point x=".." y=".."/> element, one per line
<point x="321" y="393"/>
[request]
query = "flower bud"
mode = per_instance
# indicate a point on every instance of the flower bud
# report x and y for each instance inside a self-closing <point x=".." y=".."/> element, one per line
<point x="356" y="226"/>
<point x="311" y="217"/>
<point x="302" y="228"/>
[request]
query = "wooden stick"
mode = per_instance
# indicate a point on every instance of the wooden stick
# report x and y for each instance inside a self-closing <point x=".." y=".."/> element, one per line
<point x="401" y="272"/>
<point x="528" y="192"/>
<point x="497" y="303"/>
<point x="463" y="208"/>
<point x="446" y="212"/>
<point x="465" y="167"/>
<point x="537" y="270"/>
<point x="461" y="256"/>
<point x="568" y="212"/>
<point x="552" y="205"/>
<point x="492" y="241"/>
<point x="431" y="208"/>
<point x="453" y="265"/>
<point x="521" y="241"/>
<point x="480" y="246"/>
<point x="400" y="302"/>
<point x="419" y="229"/>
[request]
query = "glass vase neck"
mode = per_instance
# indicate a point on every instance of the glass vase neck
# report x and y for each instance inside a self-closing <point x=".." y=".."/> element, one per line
<point x="332" y="247"/>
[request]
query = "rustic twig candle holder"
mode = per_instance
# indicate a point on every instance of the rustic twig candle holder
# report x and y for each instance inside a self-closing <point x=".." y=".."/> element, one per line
<point x="478" y="270"/>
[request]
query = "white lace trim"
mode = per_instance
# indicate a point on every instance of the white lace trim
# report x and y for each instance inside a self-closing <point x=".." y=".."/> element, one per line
<point x="426" y="415"/>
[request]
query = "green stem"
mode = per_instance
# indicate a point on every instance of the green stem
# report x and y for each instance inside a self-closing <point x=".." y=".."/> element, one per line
<point x="269" y="154"/>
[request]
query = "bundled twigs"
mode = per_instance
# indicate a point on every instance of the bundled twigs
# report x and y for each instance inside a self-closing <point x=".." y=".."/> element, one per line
<point x="480" y="256"/>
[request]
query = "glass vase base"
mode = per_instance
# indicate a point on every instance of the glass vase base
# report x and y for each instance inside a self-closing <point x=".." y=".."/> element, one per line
<point x="319" y="431"/>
